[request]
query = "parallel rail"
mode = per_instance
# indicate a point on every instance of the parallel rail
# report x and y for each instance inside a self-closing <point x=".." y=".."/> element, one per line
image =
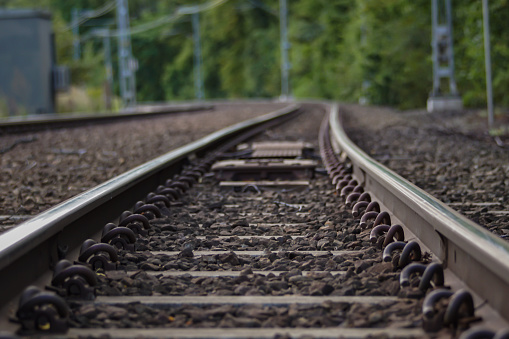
<point x="44" y="121"/>
<point x="475" y="255"/>
<point x="41" y="241"/>
<point x="463" y="247"/>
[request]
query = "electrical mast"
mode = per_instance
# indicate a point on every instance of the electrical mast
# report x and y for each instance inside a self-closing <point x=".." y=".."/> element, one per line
<point x="198" y="77"/>
<point x="285" y="46"/>
<point x="441" y="98"/>
<point x="126" y="62"/>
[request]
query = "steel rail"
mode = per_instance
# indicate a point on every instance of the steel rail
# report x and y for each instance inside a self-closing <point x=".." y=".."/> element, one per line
<point x="33" y="247"/>
<point x="472" y="253"/>
<point x="38" y="122"/>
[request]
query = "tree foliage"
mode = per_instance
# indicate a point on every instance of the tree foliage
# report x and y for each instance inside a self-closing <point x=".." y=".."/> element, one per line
<point x="377" y="51"/>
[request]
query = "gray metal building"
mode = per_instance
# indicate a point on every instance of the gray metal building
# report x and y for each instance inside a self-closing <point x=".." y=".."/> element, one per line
<point x="26" y="62"/>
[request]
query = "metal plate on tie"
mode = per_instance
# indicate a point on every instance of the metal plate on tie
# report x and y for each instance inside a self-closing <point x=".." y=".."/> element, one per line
<point x="278" y="149"/>
<point x="264" y="169"/>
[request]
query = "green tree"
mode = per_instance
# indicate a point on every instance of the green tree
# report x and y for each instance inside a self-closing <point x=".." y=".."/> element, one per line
<point x="374" y="50"/>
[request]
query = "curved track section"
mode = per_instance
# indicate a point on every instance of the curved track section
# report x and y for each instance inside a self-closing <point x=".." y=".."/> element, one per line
<point x="249" y="240"/>
<point x="475" y="255"/>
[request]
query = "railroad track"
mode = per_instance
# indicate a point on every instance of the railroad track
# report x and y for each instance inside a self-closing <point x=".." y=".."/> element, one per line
<point x="241" y="243"/>
<point x="34" y="123"/>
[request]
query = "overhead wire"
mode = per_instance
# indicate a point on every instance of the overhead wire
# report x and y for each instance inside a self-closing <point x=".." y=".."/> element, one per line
<point x="185" y="10"/>
<point x="180" y="12"/>
<point x="104" y="33"/>
<point x="200" y="8"/>
<point x="90" y="15"/>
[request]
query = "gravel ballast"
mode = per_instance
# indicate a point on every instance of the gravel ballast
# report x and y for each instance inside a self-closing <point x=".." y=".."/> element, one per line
<point x="349" y="264"/>
<point x="448" y="154"/>
<point x="52" y="166"/>
<point x="284" y="224"/>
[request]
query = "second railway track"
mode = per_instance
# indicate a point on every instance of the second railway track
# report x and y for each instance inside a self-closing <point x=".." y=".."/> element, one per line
<point x="256" y="248"/>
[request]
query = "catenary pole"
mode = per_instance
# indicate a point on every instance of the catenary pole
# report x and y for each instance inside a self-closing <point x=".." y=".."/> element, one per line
<point x="487" y="61"/>
<point x="108" y="67"/>
<point x="198" y="80"/>
<point x="441" y="98"/>
<point x="126" y="62"/>
<point x="285" y="46"/>
<point x="75" y="34"/>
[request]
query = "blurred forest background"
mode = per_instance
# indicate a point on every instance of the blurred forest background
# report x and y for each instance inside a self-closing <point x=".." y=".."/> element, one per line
<point x="378" y="50"/>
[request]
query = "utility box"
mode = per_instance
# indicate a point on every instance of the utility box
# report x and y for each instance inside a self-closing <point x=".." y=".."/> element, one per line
<point x="27" y="62"/>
